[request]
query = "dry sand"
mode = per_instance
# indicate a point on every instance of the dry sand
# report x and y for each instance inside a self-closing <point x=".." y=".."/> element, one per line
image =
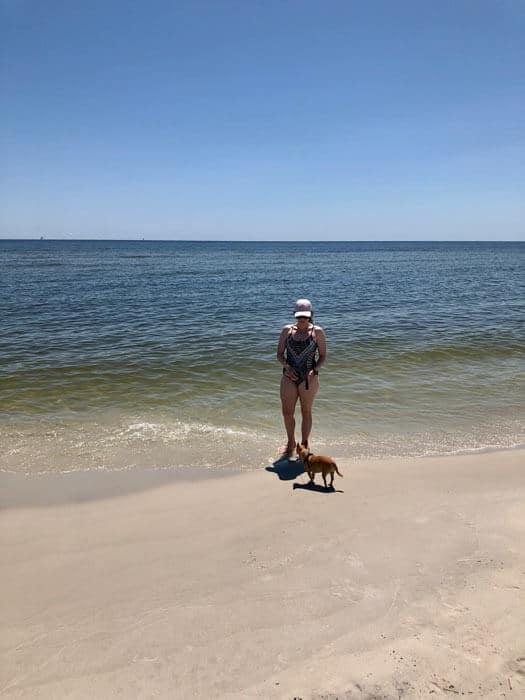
<point x="408" y="583"/>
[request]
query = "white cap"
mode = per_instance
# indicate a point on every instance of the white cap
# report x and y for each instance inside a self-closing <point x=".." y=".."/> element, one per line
<point x="303" y="307"/>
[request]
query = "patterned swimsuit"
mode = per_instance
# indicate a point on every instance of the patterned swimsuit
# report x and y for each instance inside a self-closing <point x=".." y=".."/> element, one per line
<point x="300" y="355"/>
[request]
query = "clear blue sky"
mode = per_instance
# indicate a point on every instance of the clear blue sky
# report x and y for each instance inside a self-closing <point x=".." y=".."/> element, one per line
<point x="263" y="120"/>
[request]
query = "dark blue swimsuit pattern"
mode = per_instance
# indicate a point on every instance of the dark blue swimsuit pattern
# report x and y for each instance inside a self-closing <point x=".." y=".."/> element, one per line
<point x="300" y="355"/>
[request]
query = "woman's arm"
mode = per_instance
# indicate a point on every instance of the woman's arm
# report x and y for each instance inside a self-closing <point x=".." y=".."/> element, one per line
<point x="282" y="345"/>
<point x="321" y="344"/>
<point x="290" y="372"/>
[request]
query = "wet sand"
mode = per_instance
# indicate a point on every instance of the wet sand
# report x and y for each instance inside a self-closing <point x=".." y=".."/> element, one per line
<point x="407" y="581"/>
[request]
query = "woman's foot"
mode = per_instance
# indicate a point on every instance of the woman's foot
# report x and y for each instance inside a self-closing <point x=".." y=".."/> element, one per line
<point x="287" y="451"/>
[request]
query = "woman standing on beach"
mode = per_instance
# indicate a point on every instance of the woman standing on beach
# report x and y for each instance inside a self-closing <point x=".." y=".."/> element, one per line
<point x="302" y="352"/>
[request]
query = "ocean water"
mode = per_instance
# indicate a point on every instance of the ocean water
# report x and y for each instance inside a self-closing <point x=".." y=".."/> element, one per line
<point x="161" y="355"/>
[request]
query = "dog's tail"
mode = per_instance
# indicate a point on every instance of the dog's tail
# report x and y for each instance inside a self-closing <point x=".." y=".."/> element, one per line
<point x="337" y="470"/>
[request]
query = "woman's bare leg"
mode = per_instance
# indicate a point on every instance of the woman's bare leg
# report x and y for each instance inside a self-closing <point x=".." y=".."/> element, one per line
<point x="289" y="396"/>
<point x="307" y="397"/>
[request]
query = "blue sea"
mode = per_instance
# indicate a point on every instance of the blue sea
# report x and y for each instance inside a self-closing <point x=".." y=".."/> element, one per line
<point x="161" y="355"/>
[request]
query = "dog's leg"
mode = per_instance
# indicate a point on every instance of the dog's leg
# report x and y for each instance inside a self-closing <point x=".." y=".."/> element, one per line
<point x="324" y="479"/>
<point x="331" y="480"/>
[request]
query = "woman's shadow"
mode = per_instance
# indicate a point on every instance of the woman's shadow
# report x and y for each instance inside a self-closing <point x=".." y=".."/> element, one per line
<point x="288" y="469"/>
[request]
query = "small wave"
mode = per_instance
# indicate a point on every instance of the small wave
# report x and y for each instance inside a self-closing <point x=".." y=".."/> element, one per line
<point x="181" y="429"/>
<point x="162" y="441"/>
<point x="482" y="449"/>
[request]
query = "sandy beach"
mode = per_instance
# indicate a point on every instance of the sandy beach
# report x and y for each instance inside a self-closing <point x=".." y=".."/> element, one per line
<point x="407" y="581"/>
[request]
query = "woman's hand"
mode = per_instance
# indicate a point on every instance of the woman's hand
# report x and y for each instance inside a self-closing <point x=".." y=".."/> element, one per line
<point x="290" y="373"/>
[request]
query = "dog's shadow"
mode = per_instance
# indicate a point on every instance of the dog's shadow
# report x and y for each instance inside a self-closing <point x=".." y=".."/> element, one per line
<point x="288" y="469"/>
<point x="316" y="487"/>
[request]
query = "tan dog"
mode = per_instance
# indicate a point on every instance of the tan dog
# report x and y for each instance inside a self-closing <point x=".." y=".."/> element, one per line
<point x="317" y="464"/>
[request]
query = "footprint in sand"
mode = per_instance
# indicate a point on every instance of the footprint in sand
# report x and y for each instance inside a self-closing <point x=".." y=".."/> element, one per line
<point x="518" y="666"/>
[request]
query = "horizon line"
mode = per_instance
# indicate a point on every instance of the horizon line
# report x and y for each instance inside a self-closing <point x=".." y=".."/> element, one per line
<point x="257" y="240"/>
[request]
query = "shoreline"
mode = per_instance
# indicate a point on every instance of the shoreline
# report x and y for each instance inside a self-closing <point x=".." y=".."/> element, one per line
<point x="408" y="580"/>
<point x="26" y="490"/>
<point x="19" y="490"/>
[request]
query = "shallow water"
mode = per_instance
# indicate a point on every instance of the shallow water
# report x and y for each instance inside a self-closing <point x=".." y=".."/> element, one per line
<point x="116" y="355"/>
